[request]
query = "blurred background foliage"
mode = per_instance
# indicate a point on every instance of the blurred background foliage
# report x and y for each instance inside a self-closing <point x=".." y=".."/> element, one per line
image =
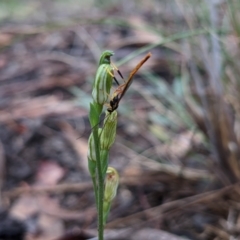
<point x="177" y="148"/>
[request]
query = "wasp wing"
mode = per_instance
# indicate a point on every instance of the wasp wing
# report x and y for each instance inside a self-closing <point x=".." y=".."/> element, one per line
<point x="124" y="87"/>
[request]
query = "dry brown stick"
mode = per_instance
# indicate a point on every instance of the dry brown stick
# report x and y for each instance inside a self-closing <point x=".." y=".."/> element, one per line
<point x="173" y="205"/>
<point x="2" y="170"/>
<point x="37" y="107"/>
<point x="179" y="171"/>
<point x="209" y="229"/>
<point x="71" y="187"/>
<point x="67" y="187"/>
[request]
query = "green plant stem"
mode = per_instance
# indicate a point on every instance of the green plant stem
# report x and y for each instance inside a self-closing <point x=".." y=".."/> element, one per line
<point x="95" y="190"/>
<point x="104" y="160"/>
<point x="100" y="189"/>
<point x="106" y="206"/>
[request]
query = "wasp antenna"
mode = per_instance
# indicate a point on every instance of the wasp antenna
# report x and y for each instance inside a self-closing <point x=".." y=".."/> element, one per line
<point x="115" y="67"/>
<point x="110" y="72"/>
<point x="120" y="74"/>
<point x="116" y="81"/>
<point x="113" y="77"/>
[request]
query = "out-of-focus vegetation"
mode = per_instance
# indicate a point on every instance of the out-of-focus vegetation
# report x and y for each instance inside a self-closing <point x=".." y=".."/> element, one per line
<point x="177" y="150"/>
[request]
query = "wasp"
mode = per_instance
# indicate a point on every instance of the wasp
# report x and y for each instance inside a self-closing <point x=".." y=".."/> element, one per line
<point x="121" y="89"/>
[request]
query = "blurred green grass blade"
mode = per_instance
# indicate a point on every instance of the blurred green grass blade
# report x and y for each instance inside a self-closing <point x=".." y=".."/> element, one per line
<point x="82" y="98"/>
<point x="173" y="101"/>
<point x="177" y="87"/>
<point x="163" y="41"/>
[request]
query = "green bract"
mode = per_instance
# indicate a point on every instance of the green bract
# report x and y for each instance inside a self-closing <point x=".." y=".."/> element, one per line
<point x="103" y="79"/>
<point x="108" y="133"/>
<point x="91" y="154"/>
<point x="111" y="184"/>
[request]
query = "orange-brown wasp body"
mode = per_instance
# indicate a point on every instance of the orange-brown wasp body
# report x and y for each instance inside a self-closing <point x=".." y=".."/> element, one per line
<point x="121" y="90"/>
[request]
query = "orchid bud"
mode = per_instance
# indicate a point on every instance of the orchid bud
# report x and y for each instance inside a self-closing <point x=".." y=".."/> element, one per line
<point x="108" y="133"/>
<point x="103" y="79"/>
<point x="111" y="184"/>
<point x="91" y="154"/>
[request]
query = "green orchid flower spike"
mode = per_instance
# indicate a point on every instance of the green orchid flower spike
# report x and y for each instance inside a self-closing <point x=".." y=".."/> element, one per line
<point x="105" y="179"/>
<point x="103" y="79"/>
<point x="100" y="140"/>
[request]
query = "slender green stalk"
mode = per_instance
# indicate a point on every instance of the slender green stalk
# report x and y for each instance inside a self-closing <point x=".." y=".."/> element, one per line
<point x="100" y="193"/>
<point x="94" y="181"/>
<point x="101" y="140"/>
